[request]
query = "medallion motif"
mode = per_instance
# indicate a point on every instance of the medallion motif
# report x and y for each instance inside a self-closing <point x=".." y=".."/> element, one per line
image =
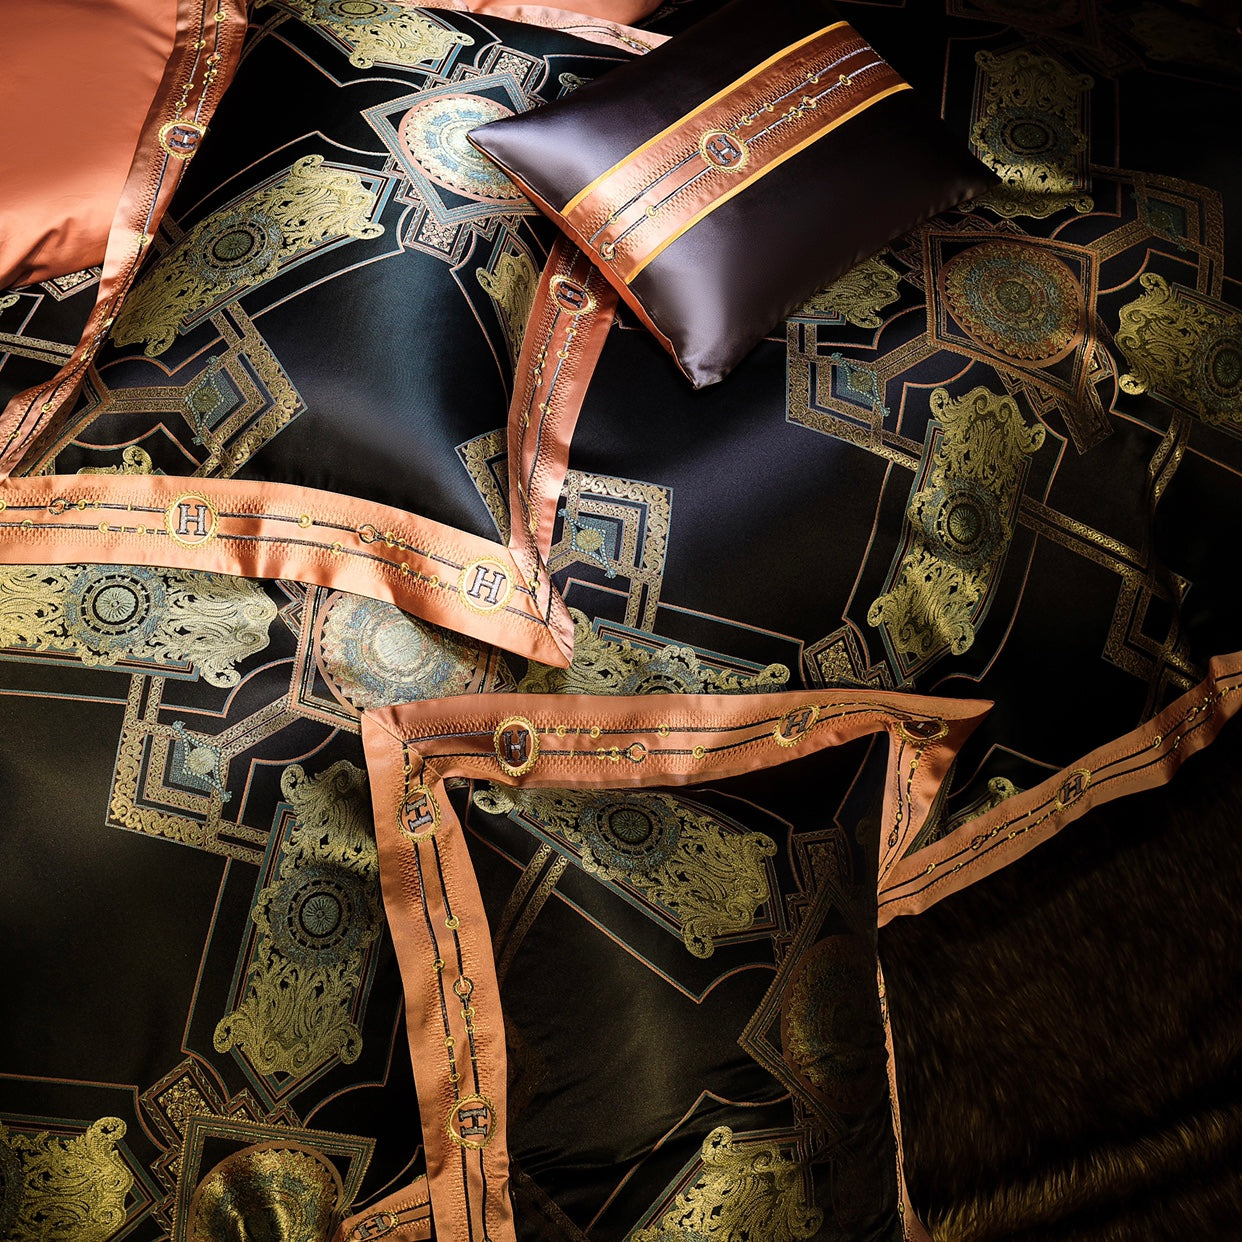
<point x="960" y="523"/>
<point x="708" y="876"/>
<point x="244" y="245"/>
<point x="315" y="923"/>
<point x="433" y="133"/>
<point x="103" y="615"/>
<point x="379" y="30"/>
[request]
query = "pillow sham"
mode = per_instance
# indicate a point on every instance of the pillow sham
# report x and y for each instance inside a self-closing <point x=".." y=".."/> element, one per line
<point x="681" y="894"/>
<point x="726" y="176"/>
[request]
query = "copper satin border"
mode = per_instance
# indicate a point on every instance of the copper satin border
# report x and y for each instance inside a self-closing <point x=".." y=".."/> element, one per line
<point x="401" y="1217"/>
<point x="1142" y="759"/>
<point x="452" y="999"/>
<point x="205" y="29"/>
<point x="570" y="317"/>
<point x="277" y="530"/>
<point x="574" y="741"/>
<point x="638" y="208"/>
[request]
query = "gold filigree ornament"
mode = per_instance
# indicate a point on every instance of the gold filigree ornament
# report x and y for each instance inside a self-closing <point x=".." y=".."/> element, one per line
<point x="961" y="523"/>
<point x="858" y="297"/>
<point x="1182" y="347"/>
<point x="315" y="924"/>
<point x="104" y="615"/>
<point x="743" y="1193"/>
<point x="379" y="30"/>
<point x="511" y="282"/>
<point x="63" y="1187"/>
<point x="708" y="875"/>
<point x="1031" y="131"/>
<point x="276" y="1191"/>
<point x="244" y="244"/>
<point x="601" y="666"/>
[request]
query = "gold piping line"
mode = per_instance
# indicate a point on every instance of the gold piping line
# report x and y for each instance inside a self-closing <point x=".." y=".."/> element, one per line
<point x="763" y="172"/>
<point x="664" y="133"/>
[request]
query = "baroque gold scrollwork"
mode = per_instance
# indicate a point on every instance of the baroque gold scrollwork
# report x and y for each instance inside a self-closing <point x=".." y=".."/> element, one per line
<point x="105" y="614"/>
<point x="960" y="525"/>
<point x="744" y="1190"/>
<point x="604" y="667"/>
<point x="858" y="297"/>
<point x="243" y="245"/>
<point x="709" y="876"/>
<point x="63" y="1188"/>
<point x="315" y="923"/>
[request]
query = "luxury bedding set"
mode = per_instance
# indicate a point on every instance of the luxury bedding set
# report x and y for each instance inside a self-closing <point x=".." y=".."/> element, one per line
<point x="529" y="537"/>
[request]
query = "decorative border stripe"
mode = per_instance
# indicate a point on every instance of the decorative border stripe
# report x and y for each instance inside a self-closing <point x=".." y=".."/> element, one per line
<point x="277" y="530"/>
<point x="1142" y="759"/>
<point x="633" y="212"/>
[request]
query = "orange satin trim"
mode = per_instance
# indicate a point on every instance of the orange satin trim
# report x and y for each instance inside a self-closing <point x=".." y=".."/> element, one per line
<point x="276" y="530"/>
<point x="401" y="1217"/>
<point x="69" y="122"/>
<point x="452" y="999"/>
<point x="634" y="211"/>
<point x="154" y="173"/>
<point x="1142" y="759"/>
<point x="571" y="314"/>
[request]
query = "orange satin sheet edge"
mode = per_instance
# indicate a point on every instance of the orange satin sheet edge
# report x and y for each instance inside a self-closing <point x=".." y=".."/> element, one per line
<point x="69" y="124"/>
<point x="452" y="998"/>
<point x="152" y="177"/>
<point x="570" y="317"/>
<point x="401" y="1217"/>
<point x="1142" y="759"/>
<point x="276" y="530"/>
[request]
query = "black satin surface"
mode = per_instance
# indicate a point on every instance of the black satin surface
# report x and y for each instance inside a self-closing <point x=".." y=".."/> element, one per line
<point x="627" y="1052"/>
<point x="387" y="351"/>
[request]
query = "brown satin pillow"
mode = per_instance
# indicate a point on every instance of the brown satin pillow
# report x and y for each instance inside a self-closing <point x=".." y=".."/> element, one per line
<point x="724" y="177"/>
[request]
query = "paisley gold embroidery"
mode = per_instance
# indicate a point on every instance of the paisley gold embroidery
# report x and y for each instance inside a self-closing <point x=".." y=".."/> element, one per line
<point x="510" y="283"/>
<point x="269" y="1190"/>
<point x="709" y="876"/>
<point x="105" y="614"/>
<point x="243" y="245"/>
<point x="745" y="1192"/>
<point x="134" y="460"/>
<point x="1184" y="348"/>
<point x="858" y="297"/>
<point x="1030" y="130"/>
<point x="379" y="30"/>
<point x="63" y="1188"/>
<point x="960" y="525"/>
<point x="603" y="667"/>
<point x="315" y="924"/>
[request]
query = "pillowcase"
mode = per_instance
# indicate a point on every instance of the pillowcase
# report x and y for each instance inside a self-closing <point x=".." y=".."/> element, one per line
<point x="674" y="1017"/>
<point x="729" y="174"/>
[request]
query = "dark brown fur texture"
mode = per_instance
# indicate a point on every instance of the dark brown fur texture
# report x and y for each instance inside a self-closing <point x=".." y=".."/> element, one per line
<point x="1069" y="1032"/>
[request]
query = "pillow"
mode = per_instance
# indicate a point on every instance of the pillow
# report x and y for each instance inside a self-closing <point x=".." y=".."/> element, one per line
<point x="723" y="178"/>
<point x="681" y="892"/>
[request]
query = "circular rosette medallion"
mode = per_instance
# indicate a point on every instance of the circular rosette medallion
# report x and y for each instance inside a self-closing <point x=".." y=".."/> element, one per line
<point x="634" y="833"/>
<point x="1015" y="300"/>
<point x="376" y="654"/>
<point x="238" y="247"/>
<point x="1023" y="136"/>
<point x="433" y="134"/>
<point x="1219" y="372"/>
<point x="372" y="12"/>
<point x="963" y="522"/>
<point x="114" y="610"/>
<point x="830" y="1023"/>
<point x="322" y="914"/>
<point x="276" y="1192"/>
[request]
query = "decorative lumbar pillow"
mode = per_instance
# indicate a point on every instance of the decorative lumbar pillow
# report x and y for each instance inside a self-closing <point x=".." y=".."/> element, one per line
<point x="726" y="176"/>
